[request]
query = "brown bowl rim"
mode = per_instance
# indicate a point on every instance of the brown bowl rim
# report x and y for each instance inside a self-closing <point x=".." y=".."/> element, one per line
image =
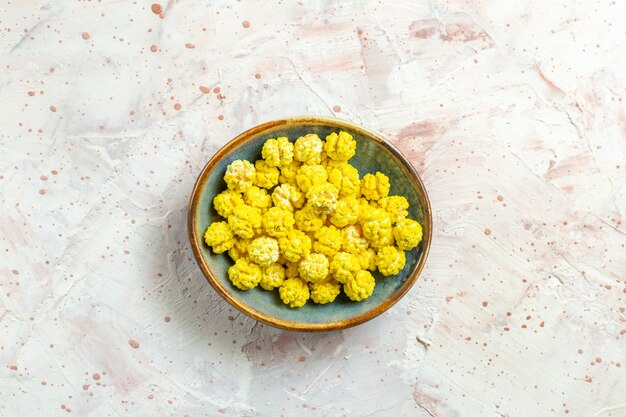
<point x="293" y="325"/>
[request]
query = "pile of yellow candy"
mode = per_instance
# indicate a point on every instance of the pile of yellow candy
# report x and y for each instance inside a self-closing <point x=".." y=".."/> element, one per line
<point x="301" y="220"/>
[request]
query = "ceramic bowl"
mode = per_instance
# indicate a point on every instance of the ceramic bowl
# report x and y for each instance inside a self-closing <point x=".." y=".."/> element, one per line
<point x="373" y="154"/>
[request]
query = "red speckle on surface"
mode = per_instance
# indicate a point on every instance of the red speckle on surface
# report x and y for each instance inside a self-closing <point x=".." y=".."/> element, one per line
<point x="205" y="90"/>
<point x="301" y="358"/>
<point x="177" y="106"/>
<point x="96" y="376"/>
<point x="598" y="360"/>
<point x="54" y="172"/>
<point x="167" y="319"/>
<point x="485" y="303"/>
<point x="13" y="367"/>
<point x="487" y="231"/>
<point x="156" y="8"/>
<point x="216" y="90"/>
<point x="506" y="329"/>
<point x="53" y="109"/>
<point x="257" y="76"/>
<point x="220" y="117"/>
<point x="500" y="198"/>
<point x="43" y="178"/>
<point x="86" y="386"/>
<point x="85" y="35"/>
<point x="542" y="324"/>
<point x="133" y="343"/>
<point x="31" y="93"/>
<point x="588" y="379"/>
<point x="190" y="46"/>
<point x="154" y="48"/>
<point x="42" y="191"/>
<point x="245" y="24"/>
<point x="336" y="108"/>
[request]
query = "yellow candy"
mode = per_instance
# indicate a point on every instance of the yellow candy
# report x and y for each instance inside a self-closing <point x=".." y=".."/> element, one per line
<point x="263" y="251"/>
<point x="352" y="239"/>
<point x="361" y="287"/>
<point x="314" y="267"/>
<point x="323" y="197"/>
<point x="390" y="260"/>
<point x="277" y="152"/>
<point x="226" y="201"/>
<point x="327" y="241"/>
<point x="368" y="259"/>
<point x="257" y="197"/>
<point x="240" y="175"/>
<point x="266" y="175"/>
<point x="408" y="234"/>
<point x="346" y="212"/>
<point x="295" y="245"/>
<point x="294" y="292"/>
<point x="219" y="236"/>
<point x="308" y="149"/>
<point x="375" y="186"/>
<point x="324" y="292"/>
<point x="397" y="207"/>
<point x="245" y="220"/>
<point x="272" y="277"/>
<point x="345" y="177"/>
<point x="310" y="175"/>
<point x="288" y="197"/>
<point x="344" y="267"/>
<point x="365" y="208"/>
<point x="240" y="249"/>
<point x="340" y="147"/>
<point x="244" y="274"/>
<point x="235" y="253"/>
<point x="291" y="269"/>
<point x="288" y="173"/>
<point x="309" y="220"/>
<point x="377" y="228"/>
<point x="277" y="222"/>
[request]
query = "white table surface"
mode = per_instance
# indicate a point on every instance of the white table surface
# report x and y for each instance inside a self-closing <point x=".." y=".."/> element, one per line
<point x="512" y="112"/>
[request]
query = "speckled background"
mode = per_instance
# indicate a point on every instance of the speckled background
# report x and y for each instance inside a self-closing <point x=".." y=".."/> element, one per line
<point x="512" y="112"/>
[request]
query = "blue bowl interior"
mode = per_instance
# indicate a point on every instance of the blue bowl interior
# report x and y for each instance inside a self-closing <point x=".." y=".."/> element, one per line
<point x="371" y="156"/>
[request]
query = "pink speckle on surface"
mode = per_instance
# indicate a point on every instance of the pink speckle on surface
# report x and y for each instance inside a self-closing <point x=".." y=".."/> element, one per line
<point x="205" y="90"/>
<point x="42" y="191"/>
<point x="154" y="48"/>
<point x="85" y="35"/>
<point x="245" y="24"/>
<point x="96" y="376"/>
<point x="190" y="46"/>
<point x="177" y="106"/>
<point x="156" y="8"/>
<point x="53" y="109"/>
<point x="336" y="108"/>
<point x="133" y="343"/>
